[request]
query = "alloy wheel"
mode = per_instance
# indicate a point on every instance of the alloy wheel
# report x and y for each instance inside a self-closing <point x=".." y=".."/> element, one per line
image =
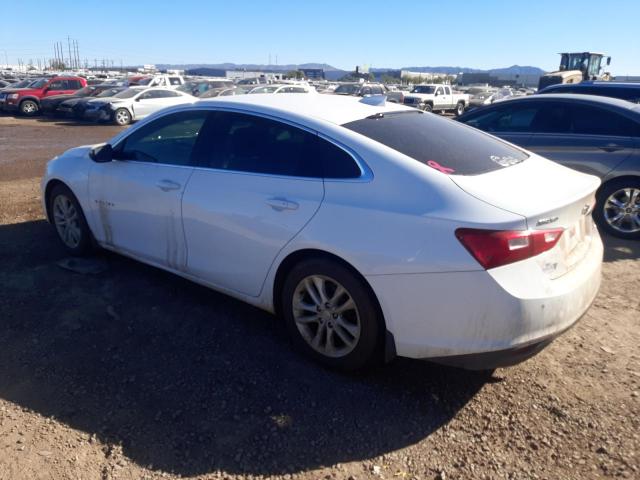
<point x="326" y="316"/>
<point x="67" y="221"/>
<point x="122" y="117"/>
<point x="622" y="210"/>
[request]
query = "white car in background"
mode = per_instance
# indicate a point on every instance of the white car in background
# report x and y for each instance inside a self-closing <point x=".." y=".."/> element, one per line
<point x="286" y="88"/>
<point x="373" y="229"/>
<point x="134" y="103"/>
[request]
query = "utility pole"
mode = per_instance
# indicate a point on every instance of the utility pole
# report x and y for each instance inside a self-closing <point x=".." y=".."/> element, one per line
<point x="69" y="48"/>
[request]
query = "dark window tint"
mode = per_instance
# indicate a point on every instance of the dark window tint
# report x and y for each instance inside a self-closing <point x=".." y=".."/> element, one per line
<point x="505" y="118"/>
<point x="336" y="162"/>
<point x="439" y="142"/>
<point x="552" y="118"/>
<point x="376" y="90"/>
<point x="589" y="120"/>
<point x="74" y="85"/>
<point x="248" y="143"/>
<point x="167" y="140"/>
<point x="174" y="81"/>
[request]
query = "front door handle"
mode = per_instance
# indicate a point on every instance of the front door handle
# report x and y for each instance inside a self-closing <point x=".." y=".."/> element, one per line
<point x="279" y="204"/>
<point x="167" y="185"/>
<point x="611" y="147"/>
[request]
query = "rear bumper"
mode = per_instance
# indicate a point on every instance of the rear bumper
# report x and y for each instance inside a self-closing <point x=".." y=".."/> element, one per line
<point x="477" y="319"/>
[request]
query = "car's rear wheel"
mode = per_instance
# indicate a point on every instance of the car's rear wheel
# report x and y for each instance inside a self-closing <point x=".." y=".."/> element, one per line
<point x="122" y="117"/>
<point x="330" y="314"/>
<point x="459" y="109"/>
<point x="29" y="108"/>
<point x="618" y="208"/>
<point x="69" y="221"/>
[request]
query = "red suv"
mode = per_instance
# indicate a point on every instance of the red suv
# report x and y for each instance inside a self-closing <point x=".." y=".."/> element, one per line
<point x="27" y="100"/>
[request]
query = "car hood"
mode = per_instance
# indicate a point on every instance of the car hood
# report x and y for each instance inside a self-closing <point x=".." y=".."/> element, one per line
<point x="21" y="90"/>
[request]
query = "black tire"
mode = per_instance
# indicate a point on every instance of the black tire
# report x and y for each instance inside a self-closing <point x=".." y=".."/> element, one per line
<point x="367" y="348"/>
<point x="459" y="109"/>
<point x="29" y="108"/>
<point x="428" y="107"/>
<point x="603" y="210"/>
<point x="122" y="117"/>
<point x="85" y="244"/>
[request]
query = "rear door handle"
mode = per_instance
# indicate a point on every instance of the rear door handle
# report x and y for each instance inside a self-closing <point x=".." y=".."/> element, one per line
<point x="611" y="147"/>
<point x="279" y="204"/>
<point x="167" y="185"/>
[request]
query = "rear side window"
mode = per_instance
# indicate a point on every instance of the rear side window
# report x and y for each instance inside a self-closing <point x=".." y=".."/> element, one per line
<point x="249" y="143"/>
<point x="597" y="121"/>
<point x="438" y="142"/>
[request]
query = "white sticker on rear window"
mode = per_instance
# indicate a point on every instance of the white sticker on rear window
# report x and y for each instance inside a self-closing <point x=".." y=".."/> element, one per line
<point x="505" y="161"/>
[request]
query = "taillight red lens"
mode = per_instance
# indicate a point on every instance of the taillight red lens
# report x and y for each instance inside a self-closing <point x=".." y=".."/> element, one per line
<point x="493" y="248"/>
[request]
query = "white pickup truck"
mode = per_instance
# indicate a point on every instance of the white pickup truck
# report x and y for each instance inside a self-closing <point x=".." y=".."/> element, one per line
<point x="430" y="97"/>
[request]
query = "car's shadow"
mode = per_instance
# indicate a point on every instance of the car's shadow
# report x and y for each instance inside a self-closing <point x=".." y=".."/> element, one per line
<point x="619" y="249"/>
<point x="190" y="381"/>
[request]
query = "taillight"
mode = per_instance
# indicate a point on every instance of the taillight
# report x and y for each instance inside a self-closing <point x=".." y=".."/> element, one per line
<point x="493" y="248"/>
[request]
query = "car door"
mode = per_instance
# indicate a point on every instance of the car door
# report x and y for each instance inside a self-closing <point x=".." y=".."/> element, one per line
<point x="588" y="138"/>
<point x="447" y="97"/>
<point x="510" y="121"/>
<point x="256" y="188"/>
<point x="438" y="98"/>
<point x="136" y="197"/>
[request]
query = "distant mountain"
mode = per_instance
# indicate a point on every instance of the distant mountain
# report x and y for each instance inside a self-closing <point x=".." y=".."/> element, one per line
<point x="333" y="73"/>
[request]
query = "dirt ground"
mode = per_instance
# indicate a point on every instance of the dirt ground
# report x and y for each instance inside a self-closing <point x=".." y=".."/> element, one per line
<point x="133" y="373"/>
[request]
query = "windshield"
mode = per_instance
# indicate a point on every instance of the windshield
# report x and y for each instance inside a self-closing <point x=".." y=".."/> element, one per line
<point x="84" y="92"/>
<point x="128" y="93"/>
<point x="438" y="142"/>
<point x="347" y="89"/>
<point x="145" y="81"/>
<point x="38" y="83"/>
<point x="110" y="92"/>
<point x="423" y="89"/>
<point x="269" y="89"/>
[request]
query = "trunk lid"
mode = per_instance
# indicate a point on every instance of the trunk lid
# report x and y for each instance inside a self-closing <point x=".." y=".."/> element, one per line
<point x="549" y="196"/>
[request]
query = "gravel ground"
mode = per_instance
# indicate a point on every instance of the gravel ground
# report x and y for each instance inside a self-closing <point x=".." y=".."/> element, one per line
<point x="134" y="373"/>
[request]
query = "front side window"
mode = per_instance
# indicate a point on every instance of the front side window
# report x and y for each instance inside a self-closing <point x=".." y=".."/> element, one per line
<point x="57" y="85"/>
<point x="168" y="140"/>
<point x="505" y="118"/>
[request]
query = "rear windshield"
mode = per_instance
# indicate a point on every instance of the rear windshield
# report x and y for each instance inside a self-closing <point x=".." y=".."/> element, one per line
<point x="438" y="142"/>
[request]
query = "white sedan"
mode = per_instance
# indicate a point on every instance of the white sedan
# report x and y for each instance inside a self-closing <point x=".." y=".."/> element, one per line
<point x="134" y="103"/>
<point x="372" y="230"/>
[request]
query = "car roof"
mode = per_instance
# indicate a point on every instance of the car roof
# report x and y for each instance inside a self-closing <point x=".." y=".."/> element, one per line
<point x="575" y="97"/>
<point x="334" y="109"/>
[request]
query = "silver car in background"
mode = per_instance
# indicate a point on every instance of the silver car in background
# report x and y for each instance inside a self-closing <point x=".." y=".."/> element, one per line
<point x="592" y="134"/>
<point x="134" y="104"/>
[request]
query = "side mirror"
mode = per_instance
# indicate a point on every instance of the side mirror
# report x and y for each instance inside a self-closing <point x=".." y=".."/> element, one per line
<point x="608" y="61"/>
<point x="102" y="154"/>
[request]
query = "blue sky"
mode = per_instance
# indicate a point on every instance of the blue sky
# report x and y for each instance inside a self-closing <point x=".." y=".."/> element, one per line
<point x="342" y="33"/>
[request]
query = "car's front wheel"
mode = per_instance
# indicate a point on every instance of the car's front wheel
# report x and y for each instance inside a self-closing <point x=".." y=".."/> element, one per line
<point x="122" y="117"/>
<point x="331" y="315"/>
<point x="29" y="108"/>
<point x="618" y="208"/>
<point x="69" y="221"/>
<point x="459" y="109"/>
<point x="428" y="107"/>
